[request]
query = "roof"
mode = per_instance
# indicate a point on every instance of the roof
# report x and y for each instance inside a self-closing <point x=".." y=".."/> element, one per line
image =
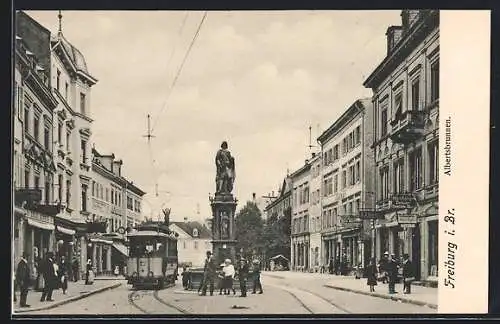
<point x="188" y="227"/>
<point x="148" y="233"/>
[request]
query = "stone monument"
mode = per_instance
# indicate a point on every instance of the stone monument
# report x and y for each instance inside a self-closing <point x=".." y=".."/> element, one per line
<point x="223" y="206"/>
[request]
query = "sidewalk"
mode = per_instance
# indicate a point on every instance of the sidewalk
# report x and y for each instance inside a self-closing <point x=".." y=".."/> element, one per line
<point x="76" y="290"/>
<point x="422" y="296"/>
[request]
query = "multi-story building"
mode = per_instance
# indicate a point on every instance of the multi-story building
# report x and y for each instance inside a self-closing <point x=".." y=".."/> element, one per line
<point x="300" y="239"/>
<point x="280" y="205"/>
<point x="115" y="203"/>
<point x="347" y="186"/>
<point x="193" y="242"/>
<point x="405" y="89"/>
<point x="33" y="155"/>
<point x="315" y="212"/>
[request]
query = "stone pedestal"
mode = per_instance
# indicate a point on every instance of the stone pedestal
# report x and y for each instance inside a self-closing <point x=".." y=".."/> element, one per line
<point x="223" y="227"/>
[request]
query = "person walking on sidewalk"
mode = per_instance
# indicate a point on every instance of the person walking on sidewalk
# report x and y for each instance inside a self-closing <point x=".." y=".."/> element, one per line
<point x="382" y="267"/>
<point x="23" y="279"/>
<point x="392" y="273"/>
<point x="256" y="277"/>
<point x="330" y="266"/>
<point x="243" y="276"/>
<point x="63" y="274"/>
<point x="49" y="275"/>
<point x="371" y="275"/>
<point x="209" y="274"/>
<point x="74" y="267"/>
<point x="408" y="274"/>
<point x="89" y="275"/>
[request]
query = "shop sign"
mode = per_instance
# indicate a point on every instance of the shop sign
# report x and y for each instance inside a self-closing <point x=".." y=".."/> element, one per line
<point x="403" y="200"/>
<point x="407" y="219"/>
<point x="370" y="214"/>
<point x="40" y="217"/>
<point x="407" y="225"/>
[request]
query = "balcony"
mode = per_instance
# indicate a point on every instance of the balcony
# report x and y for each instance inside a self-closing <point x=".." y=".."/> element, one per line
<point x="431" y="191"/>
<point x="408" y="127"/>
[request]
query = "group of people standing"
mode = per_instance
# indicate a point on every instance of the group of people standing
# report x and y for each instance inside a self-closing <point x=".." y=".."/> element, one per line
<point x="54" y="273"/>
<point x="226" y="273"/>
<point x="387" y="271"/>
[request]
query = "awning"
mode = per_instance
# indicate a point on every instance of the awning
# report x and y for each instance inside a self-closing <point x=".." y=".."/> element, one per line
<point x="121" y="248"/>
<point x="98" y="240"/>
<point x="45" y="226"/>
<point x="65" y="230"/>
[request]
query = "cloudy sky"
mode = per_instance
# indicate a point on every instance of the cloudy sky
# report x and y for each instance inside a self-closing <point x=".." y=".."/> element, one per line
<point x="255" y="79"/>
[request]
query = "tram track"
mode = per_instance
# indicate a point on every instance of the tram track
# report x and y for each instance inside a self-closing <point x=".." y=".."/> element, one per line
<point x="140" y="294"/>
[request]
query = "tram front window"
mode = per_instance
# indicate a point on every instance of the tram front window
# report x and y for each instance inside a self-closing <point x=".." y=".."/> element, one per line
<point x="145" y="247"/>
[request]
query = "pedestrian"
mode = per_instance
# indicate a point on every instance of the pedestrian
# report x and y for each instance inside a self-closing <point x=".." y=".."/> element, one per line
<point x="408" y="274"/>
<point x="209" y="274"/>
<point x="220" y="276"/>
<point x="185" y="278"/>
<point x="63" y="274"/>
<point x="392" y="273"/>
<point x="382" y="267"/>
<point x="256" y="277"/>
<point x="89" y="273"/>
<point x="23" y="279"/>
<point x="49" y="275"/>
<point x="228" y="277"/>
<point x="371" y="275"/>
<point x="336" y="266"/>
<point x="75" y="266"/>
<point x="330" y="266"/>
<point x="243" y="276"/>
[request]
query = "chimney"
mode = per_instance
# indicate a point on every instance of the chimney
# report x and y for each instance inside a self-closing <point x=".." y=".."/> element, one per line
<point x="253" y="196"/>
<point x="393" y="34"/>
<point x="306" y="161"/>
<point x="185" y="219"/>
<point x="313" y="154"/>
<point x="272" y="195"/>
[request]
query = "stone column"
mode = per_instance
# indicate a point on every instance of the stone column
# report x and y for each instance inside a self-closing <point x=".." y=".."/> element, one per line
<point x="424" y="250"/>
<point x="109" y="265"/>
<point x="94" y="255"/>
<point x="391" y="241"/>
<point x="409" y="242"/>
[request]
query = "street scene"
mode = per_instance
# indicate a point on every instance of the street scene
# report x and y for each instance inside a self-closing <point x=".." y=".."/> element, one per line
<point x="215" y="163"/>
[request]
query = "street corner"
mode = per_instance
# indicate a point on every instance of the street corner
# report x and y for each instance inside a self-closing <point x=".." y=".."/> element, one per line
<point x="38" y="306"/>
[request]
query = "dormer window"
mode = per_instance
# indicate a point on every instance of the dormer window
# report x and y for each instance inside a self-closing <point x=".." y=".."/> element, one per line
<point x="195" y="232"/>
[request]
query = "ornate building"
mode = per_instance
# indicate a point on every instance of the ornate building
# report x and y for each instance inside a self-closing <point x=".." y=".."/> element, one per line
<point x="406" y="109"/>
<point x="346" y="174"/>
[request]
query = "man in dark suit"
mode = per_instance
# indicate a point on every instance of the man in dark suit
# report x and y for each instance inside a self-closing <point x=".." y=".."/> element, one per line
<point x="243" y="276"/>
<point x="23" y="279"/>
<point x="209" y="274"/>
<point x="392" y="273"/>
<point x="408" y="274"/>
<point x="49" y="277"/>
<point x="256" y="277"/>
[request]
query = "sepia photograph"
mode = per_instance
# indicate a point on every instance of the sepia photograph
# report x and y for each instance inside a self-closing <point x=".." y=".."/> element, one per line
<point x="228" y="163"/>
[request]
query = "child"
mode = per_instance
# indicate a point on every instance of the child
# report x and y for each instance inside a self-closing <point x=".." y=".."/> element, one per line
<point x="371" y="274"/>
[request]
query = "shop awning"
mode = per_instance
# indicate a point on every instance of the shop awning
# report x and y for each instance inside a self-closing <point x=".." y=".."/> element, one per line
<point x="65" y="230"/>
<point x="121" y="248"/>
<point x="98" y="240"/>
<point x="41" y="225"/>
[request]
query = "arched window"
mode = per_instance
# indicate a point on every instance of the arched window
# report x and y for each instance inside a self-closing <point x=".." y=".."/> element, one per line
<point x="195" y="232"/>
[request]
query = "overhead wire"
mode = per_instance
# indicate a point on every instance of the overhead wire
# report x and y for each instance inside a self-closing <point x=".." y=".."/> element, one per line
<point x="180" y="69"/>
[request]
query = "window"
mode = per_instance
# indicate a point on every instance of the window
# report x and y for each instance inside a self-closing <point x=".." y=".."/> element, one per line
<point x="357" y="171"/>
<point x="93" y="188"/>
<point x="66" y="92"/>
<point x="357" y="204"/>
<point x="384" y="182"/>
<point x="433" y="162"/>
<point x="107" y="194"/>
<point x="195" y="232"/>
<point x="60" y="188"/>
<point x="59" y="132"/>
<point x="383" y="120"/>
<point x="335" y="183"/>
<point x="68" y="140"/>
<point x="415" y="94"/>
<point x="84" y="151"/>
<point x="68" y="192"/>
<point x="336" y="152"/>
<point x="37" y="182"/>
<point x="27" y="179"/>
<point x="82" y="103"/>
<point x="47" y="192"/>
<point x="196" y="245"/>
<point x="58" y="79"/>
<point x="46" y="138"/>
<point x="358" y="135"/>
<point x="36" y="126"/>
<point x="84" y="197"/>
<point x="26" y="119"/>
<point x="399" y="176"/>
<point x="184" y="244"/>
<point x="416" y="169"/>
<point x="344" y="179"/>
<point x="434" y="81"/>
<point x="129" y="203"/>
<point x="112" y="196"/>
<point x="352" y="175"/>
<point x="318" y="224"/>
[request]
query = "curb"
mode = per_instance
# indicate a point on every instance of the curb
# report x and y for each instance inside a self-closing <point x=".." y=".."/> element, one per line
<point x="394" y="298"/>
<point x="68" y="300"/>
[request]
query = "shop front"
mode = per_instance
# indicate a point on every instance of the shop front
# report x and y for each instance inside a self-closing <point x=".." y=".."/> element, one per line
<point x="99" y="251"/>
<point x="300" y="250"/>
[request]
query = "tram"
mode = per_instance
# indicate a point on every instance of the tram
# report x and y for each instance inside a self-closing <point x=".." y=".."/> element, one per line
<point x="153" y="259"/>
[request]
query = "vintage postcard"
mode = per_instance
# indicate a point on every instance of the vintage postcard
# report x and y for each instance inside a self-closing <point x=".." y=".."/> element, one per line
<point x="209" y="163"/>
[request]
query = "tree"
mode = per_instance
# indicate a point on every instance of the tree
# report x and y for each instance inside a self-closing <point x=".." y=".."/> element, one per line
<point x="276" y="238"/>
<point x="249" y="228"/>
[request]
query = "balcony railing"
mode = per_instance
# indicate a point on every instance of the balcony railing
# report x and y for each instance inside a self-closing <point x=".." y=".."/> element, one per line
<point x="408" y="127"/>
<point x="431" y="191"/>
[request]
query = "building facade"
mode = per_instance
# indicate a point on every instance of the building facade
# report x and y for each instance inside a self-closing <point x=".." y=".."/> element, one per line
<point x="315" y="250"/>
<point x="115" y="204"/>
<point x="33" y="155"/>
<point x="193" y="242"/>
<point x="300" y="238"/>
<point x="347" y="186"/>
<point x="406" y="108"/>
<point x="279" y="206"/>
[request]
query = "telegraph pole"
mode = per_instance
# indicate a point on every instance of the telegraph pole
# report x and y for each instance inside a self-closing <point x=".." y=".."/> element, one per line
<point x="149" y="135"/>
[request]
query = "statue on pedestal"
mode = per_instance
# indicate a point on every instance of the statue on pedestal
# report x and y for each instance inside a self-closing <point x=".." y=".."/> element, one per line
<point x="225" y="170"/>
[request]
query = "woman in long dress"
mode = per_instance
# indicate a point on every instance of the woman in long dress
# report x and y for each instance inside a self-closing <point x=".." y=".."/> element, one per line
<point x="371" y="274"/>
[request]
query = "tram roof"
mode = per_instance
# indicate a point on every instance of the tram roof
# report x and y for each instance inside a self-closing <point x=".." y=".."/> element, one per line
<point x="148" y="233"/>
